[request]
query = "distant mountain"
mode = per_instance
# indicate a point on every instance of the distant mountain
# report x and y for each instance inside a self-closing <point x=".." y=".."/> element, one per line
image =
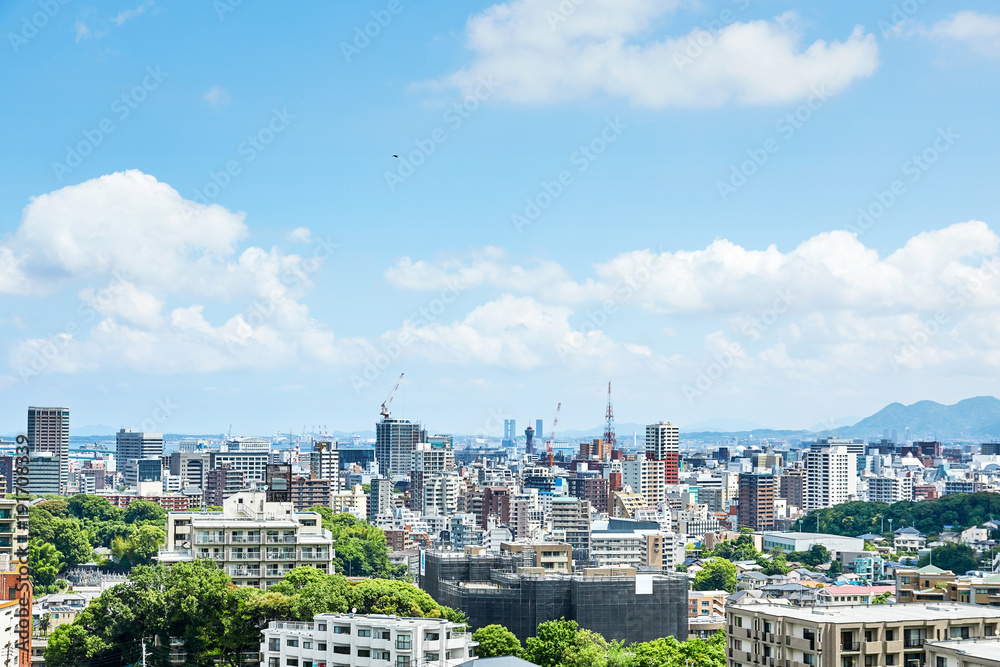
<point x="721" y="425"/>
<point x="621" y="431"/>
<point x="977" y="418"/>
<point x="93" y="429"/>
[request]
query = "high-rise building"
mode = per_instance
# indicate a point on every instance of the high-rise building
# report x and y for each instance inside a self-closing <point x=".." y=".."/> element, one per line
<point x="539" y="433"/>
<point x="831" y="476"/>
<point x="756" y="504"/>
<point x="509" y="433"/>
<point x="324" y="463"/>
<point x="380" y="497"/>
<point x="792" y="487"/>
<point x="46" y="470"/>
<point x="646" y="476"/>
<point x="48" y="431"/>
<point x="395" y="440"/>
<point x="130" y="446"/>
<point x="496" y="503"/>
<point x="889" y="489"/>
<point x="429" y="459"/>
<point x="663" y="444"/>
<point x="594" y="489"/>
<point x="221" y="484"/>
<point x="573" y="516"/>
<point x="441" y="493"/>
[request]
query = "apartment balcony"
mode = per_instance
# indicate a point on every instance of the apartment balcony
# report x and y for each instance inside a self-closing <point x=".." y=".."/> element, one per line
<point x="245" y="556"/>
<point x="308" y="555"/>
<point x="244" y="572"/>
<point x="281" y="555"/>
<point x="914" y="642"/>
<point x="850" y="646"/>
<point x="241" y="539"/>
<point x="282" y="539"/>
<point x="800" y="643"/>
<point x="210" y="539"/>
<point x="873" y="648"/>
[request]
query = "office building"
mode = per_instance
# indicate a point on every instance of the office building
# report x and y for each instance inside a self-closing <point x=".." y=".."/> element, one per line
<point x="257" y="541"/>
<point x="395" y="440"/>
<point x="594" y="489"/>
<point x="311" y="492"/>
<point x="756" y="501"/>
<point x="663" y="444"/>
<point x="192" y="468"/>
<point x="131" y="446"/>
<point x="849" y="636"/>
<point x="509" y="434"/>
<point x="324" y="463"/>
<point x="249" y="444"/>
<point x="372" y="640"/>
<point x="253" y="465"/>
<point x="48" y="432"/>
<point x="831" y="476"/>
<point x="46" y="473"/>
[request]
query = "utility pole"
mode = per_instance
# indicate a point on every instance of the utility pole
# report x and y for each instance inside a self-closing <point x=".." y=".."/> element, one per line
<point x="143" y="652"/>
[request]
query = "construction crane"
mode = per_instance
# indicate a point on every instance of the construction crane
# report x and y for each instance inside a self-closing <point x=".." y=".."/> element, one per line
<point x="548" y="445"/>
<point x="388" y="400"/>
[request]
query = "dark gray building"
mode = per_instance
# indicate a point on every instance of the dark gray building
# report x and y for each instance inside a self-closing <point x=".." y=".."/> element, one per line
<point x="489" y="589"/>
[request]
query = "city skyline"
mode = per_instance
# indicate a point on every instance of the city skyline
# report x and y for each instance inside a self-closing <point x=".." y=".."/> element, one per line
<point x="709" y="238"/>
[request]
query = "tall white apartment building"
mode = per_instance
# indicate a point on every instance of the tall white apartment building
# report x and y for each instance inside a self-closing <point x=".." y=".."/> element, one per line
<point x="645" y="476"/>
<point x="889" y="489"/>
<point x="255" y="540"/>
<point x="374" y="640"/>
<point x="662" y="438"/>
<point x="441" y="492"/>
<point x="831" y="476"/>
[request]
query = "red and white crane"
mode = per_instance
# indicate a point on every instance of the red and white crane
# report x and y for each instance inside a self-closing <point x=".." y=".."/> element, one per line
<point x="548" y="445"/>
<point x="388" y="401"/>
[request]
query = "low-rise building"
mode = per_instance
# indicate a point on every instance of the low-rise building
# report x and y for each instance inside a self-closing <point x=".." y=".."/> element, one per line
<point x="789" y="542"/>
<point x="706" y="603"/>
<point x="372" y="640"/>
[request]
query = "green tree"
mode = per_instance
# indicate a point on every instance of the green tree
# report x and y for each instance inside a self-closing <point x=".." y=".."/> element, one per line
<point x="959" y="558"/>
<point x="57" y="508"/>
<point x="776" y="565"/>
<point x="71" y="646"/>
<point x="72" y="543"/>
<point x="95" y="508"/>
<point x="881" y="598"/>
<point x="816" y="555"/>
<point x="495" y="641"/>
<point x="144" y="510"/>
<point x="718" y="574"/>
<point x="45" y="562"/>
<point x="741" y="548"/>
<point x="553" y="639"/>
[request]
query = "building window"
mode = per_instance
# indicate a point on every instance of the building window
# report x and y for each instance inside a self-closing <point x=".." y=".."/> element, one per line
<point x="403" y="642"/>
<point x="342" y="650"/>
<point x="870" y="661"/>
<point x="274" y="662"/>
<point x="292" y="662"/>
<point x="432" y="636"/>
<point x="307" y="643"/>
<point x="890" y="636"/>
<point x="941" y="661"/>
<point x="364" y="632"/>
<point x="291" y="642"/>
<point x="341" y="629"/>
<point x="321" y="646"/>
<point x="384" y="634"/>
<point x="364" y="653"/>
<point x="274" y="644"/>
<point x="890" y="658"/>
<point x="403" y="661"/>
<point x="321" y="627"/>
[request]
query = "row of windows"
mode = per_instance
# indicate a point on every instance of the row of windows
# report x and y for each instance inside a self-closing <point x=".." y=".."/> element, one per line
<point x="402" y="641"/>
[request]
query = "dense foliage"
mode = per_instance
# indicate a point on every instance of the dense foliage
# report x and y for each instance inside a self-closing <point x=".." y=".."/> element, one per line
<point x="361" y="547"/>
<point x="495" y="641"/>
<point x="742" y="549"/>
<point x="718" y="574"/>
<point x="564" y="644"/>
<point x="956" y="510"/>
<point x="959" y="558"/>
<point x="218" y="622"/>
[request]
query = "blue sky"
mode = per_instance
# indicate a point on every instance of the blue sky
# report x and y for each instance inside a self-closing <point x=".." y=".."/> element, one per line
<point x="199" y="207"/>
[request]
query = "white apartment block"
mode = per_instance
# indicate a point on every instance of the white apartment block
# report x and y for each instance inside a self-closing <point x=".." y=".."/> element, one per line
<point x="349" y="640"/>
<point x="441" y="493"/>
<point x="350" y="501"/>
<point x="249" y="444"/>
<point x="889" y="489"/>
<point x="617" y="549"/>
<point x="831" y="476"/>
<point x="646" y="477"/>
<point x="662" y="438"/>
<point x="256" y="541"/>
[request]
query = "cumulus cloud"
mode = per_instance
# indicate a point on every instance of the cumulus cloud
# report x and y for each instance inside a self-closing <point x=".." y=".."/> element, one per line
<point x="147" y="262"/>
<point x="128" y="14"/>
<point x="981" y="32"/>
<point x="217" y="97"/>
<point x="300" y="235"/>
<point x="545" y="52"/>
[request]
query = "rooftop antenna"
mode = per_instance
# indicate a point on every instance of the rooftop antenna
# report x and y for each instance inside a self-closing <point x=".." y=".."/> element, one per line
<point x="609" y="423"/>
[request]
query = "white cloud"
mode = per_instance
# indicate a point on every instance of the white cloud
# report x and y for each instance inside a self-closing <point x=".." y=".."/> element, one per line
<point x="128" y="14"/>
<point x="541" y="54"/>
<point x="300" y="235"/>
<point x="83" y="31"/>
<point x="217" y="97"/>
<point x="136" y="250"/>
<point x="981" y="32"/>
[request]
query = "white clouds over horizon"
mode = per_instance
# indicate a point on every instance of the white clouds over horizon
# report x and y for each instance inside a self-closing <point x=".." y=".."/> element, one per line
<point x="981" y="32"/>
<point x="546" y="52"/>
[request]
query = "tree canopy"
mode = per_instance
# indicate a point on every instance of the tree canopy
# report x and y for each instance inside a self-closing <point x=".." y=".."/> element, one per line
<point x="717" y="575"/>
<point x="959" y="558"/>
<point x="360" y="547"/>
<point x="496" y="641"/>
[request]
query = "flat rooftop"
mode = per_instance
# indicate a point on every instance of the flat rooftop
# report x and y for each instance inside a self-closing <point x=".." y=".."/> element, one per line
<point x="804" y="536"/>
<point x="984" y="649"/>
<point x="879" y="613"/>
